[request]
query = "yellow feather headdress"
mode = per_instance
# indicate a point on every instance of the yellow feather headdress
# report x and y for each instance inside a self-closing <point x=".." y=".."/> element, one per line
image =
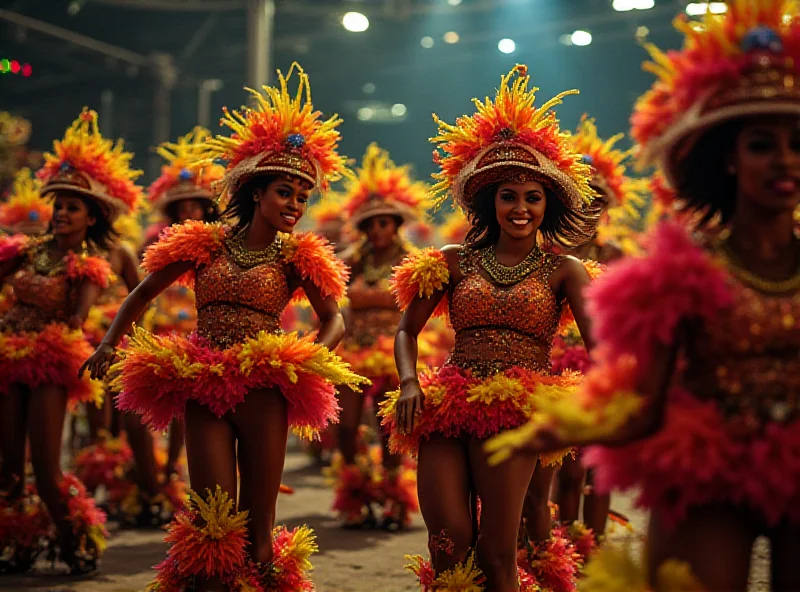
<point x="281" y="134"/>
<point x="182" y="177"/>
<point x="744" y="62"/>
<point x="86" y="163"/>
<point x="382" y="187"/>
<point x="25" y="204"/>
<point x="509" y="132"/>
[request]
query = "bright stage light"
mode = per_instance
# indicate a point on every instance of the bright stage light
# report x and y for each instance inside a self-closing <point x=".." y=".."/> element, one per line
<point x="365" y="113"/>
<point x="451" y="37"/>
<point x="700" y="8"/>
<point x="398" y="110"/>
<point x="581" y="38"/>
<point x="454" y="2"/>
<point x="507" y="45"/>
<point x="355" y="22"/>
<point x="626" y="5"/>
<point x="426" y="42"/>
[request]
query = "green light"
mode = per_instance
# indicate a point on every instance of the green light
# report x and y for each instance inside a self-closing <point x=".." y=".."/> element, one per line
<point x="5" y="66"/>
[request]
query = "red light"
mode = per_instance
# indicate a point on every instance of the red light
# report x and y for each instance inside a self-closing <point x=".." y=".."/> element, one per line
<point x="15" y="67"/>
<point x="27" y="70"/>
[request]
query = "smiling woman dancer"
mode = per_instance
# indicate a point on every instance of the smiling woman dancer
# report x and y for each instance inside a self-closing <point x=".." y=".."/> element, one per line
<point x="56" y="279"/>
<point x="519" y="179"/>
<point x="379" y="202"/>
<point x="715" y="451"/>
<point x="239" y="380"/>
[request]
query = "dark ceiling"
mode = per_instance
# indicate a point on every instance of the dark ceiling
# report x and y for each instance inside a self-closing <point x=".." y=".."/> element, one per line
<point x="206" y="39"/>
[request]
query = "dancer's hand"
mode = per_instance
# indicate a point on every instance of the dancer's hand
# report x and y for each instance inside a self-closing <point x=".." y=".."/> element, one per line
<point x="99" y="362"/>
<point x="409" y="405"/>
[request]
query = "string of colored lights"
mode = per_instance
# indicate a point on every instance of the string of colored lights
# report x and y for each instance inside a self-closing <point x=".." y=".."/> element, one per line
<point x="8" y="66"/>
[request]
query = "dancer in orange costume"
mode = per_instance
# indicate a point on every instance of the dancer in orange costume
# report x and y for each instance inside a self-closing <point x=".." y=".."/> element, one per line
<point x="618" y="196"/>
<point x="56" y="279"/>
<point x="711" y="443"/>
<point x="518" y="177"/>
<point x="382" y="199"/>
<point x="239" y="381"/>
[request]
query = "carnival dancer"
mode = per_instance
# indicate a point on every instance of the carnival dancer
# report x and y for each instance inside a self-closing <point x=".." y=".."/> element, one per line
<point x="710" y="443"/>
<point x="618" y="196"/>
<point x="239" y="381"/>
<point x="56" y="279"/>
<point x="519" y="180"/>
<point x="378" y="203"/>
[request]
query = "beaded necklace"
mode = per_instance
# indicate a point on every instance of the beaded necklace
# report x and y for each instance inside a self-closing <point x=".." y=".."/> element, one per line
<point x="510" y="275"/>
<point x="245" y="258"/>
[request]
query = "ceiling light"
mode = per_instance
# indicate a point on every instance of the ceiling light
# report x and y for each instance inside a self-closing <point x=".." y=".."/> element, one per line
<point x="454" y="2"/>
<point x="365" y="113"/>
<point x="426" y="42"/>
<point x="368" y="88"/>
<point x="581" y="38"/>
<point x="644" y="4"/>
<point x="398" y="110"/>
<point x="451" y="37"/>
<point x="701" y="8"/>
<point x="507" y="45"/>
<point x="623" y="5"/>
<point x="355" y="22"/>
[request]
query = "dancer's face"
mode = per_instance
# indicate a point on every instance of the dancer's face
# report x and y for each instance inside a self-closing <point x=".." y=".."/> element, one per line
<point x="70" y="215"/>
<point x="190" y="209"/>
<point x="520" y="208"/>
<point x="283" y="202"/>
<point x="766" y="162"/>
<point x="381" y="230"/>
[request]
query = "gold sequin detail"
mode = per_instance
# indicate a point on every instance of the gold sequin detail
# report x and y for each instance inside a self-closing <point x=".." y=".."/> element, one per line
<point x="510" y="275"/>
<point x="498" y="327"/>
<point x="235" y="302"/>
<point x="748" y="358"/>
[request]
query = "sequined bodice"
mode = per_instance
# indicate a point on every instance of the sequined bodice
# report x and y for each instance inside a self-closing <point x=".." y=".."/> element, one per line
<point x="498" y="327"/>
<point x="366" y="324"/>
<point x="748" y="358"/>
<point x="39" y="299"/>
<point x="235" y="302"/>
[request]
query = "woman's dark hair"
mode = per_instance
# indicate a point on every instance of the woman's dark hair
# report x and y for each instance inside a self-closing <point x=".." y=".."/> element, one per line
<point x="240" y="209"/>
<point x="702" y="182"/>
<point x="210" y="212"/>
<point x="362" y="226"/>
<point x="567" y="227"/>
<point x="101" y="234"/>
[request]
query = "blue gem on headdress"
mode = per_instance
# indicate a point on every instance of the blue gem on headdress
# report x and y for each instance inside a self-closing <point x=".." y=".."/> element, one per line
<point x="65" y="167"/>
<point x="762" y="38"/>
<point x="296" y="141"/>
<point x="587" y="159"/>
<point x="221" y="161"/>
<point x="183" y="315"/>
<point x="33" y="216"/>
<point x="185" y="175"/>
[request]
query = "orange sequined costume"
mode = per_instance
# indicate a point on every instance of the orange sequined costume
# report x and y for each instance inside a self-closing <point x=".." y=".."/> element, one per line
<point x="36" y="346"/>
<point x="501" y="353"/>
<point x="238" y="345"/>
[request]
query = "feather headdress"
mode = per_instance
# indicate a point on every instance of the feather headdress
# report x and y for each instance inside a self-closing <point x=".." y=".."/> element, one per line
<point x="181" y="177"/>
<point x="509" y="133"/>
<point x="281" y="134"/>
<point x="25" y="205"/>
<point x="382" y="187"/>
<point x="86" y="163"/>
<point x="14" y="131"/>
<point x="743" y="62"/>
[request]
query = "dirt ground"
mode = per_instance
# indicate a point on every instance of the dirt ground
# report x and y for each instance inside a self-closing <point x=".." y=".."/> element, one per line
<point x="347" y="561"/>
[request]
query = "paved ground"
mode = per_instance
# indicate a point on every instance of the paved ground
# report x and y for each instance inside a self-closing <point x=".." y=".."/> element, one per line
<point x="348" y="561"/>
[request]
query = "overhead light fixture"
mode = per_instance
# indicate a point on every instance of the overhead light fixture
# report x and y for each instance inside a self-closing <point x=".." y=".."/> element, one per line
<point x="426" y="42"/>
<point x="355" y="22"/>
<point x="701" y="8"/>
<point x="365" y="113"/>
<point x="506" y="45"/>
<point x="451" y="37"/>
<point x="581" y="38"/>
<point x="454" y="2"/>
<point x="368" y="88"/>
<point x="626" y="5"/>
<point x="398" y="110"/>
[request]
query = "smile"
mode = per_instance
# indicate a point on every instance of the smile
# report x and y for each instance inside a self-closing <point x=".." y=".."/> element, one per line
<point x="289" y="218"/>
<point x="520" y="221"/>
